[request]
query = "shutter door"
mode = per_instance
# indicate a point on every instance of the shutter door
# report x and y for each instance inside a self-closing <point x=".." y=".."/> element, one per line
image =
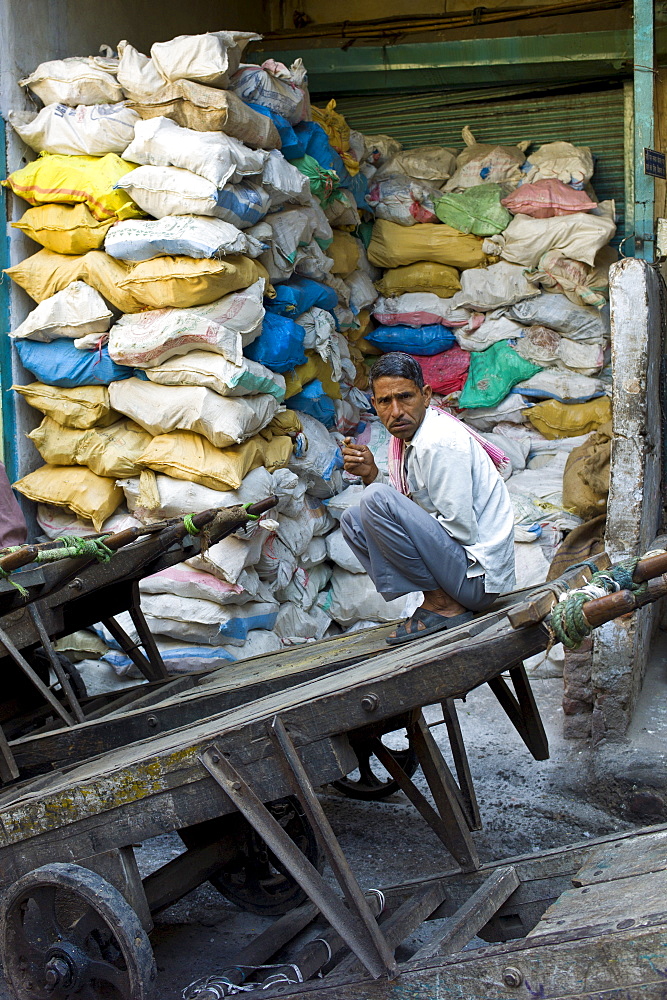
<point x="593" y="118"/>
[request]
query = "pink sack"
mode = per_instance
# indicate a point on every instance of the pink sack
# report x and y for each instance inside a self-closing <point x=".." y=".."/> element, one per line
<point x="447" y="372"/>
<point x="547" y="198"/>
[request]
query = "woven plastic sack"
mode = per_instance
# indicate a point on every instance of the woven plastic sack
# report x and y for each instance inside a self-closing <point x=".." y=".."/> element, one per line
<point x="46" y="273"/>
<point x="554" y="419"/>
<point x="207" y="109"/>
<point x="209" y="58"/>
<point x="344" y="252"/>
<point x="184" y="581"/>
<point x="76" y="311"/>
<point x="89" y="130"/>
<point x="583" y="285"/>
<point x="546" y="198"/>
<point x="216" y="157"/>
<point x="546" y="347"/>
<point x="280" y="345"/>
<point x="494" y="287"/>
<point x="397" y="198"/>
<point x="424" y="276"/>
<point x="566" y="386"/>
<point x="495" y="327"/>
<point x="434" y="164"/>
<point x="557" y="313"/>
<point x="300" y="294"/>
<point x="578" y="236"/>
<point x="392" y="245"/>
<point x="477" y="210"/>
<point x="84" y="407"/>
<point x="432" y="339"/>
<point x="60" y="363"/>
<point x="107" y="451"/>
<point x="314" y="368"/>
<point x="175" y="497"/>
<point x="318" y="456"/>
<point x="290" y="145"/>
<point x="183" y="282"/>
<point x="184" y="455"/>
<point x="353" y="597"/>
<point x="492" y="374"/>
<point x="586" y="476"/>
<point x="275" y="87"/>
<point x="312" y="399"/>
<point x="381" y="148"/>
<point x="149" y="338"/>
<point x="447" y="372"/>
<point x="75" y="487"/>
<point x="72" y="179"/>
<point x="160" y="409"/>
<point x="213" y="371"/>
<point x="486" y="164"/>
<point x="561" y="160"/>
<point x="180" y="236"/>
<point x="324" y="184"/>
<point x="285" y="184"/>
<point x="74" y="81"/>
<point x="418" y="309"/>
<point x="70" y="229"/>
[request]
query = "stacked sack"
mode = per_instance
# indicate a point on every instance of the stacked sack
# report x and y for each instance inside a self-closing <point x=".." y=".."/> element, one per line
<point x="496" y="280"/>
<point x="197" y="276"/>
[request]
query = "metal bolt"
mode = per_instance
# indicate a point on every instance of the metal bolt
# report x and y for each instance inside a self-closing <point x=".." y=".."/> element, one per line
<point x="152" y="721"/>
<point x="214" y="758"/>
<point x="512" y="977"/>
<point x="236" y="786"/>
<point x="57" y="973"/>
<point x="370" y="702"/>
<point x="76" y="583"/>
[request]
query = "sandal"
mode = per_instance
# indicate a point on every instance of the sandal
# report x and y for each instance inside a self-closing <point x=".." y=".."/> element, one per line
<point x="432" y="623"/>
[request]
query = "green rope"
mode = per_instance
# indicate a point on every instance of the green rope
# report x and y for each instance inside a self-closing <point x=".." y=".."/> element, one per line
<point x="73" y="547"/>
<point x="189" y="525"/>
<point x="4" y="575"/>
<point x="253" y="517"/>
<point x="568" y="620"/>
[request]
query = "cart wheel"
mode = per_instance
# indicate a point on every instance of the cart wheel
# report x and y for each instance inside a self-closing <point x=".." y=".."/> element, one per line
<point x="365" y="783"/>
<point x="66" y="932"/>
<point x="254" y="879"/>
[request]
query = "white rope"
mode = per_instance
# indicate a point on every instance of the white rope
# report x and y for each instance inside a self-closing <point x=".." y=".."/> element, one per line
<point x="379" y="893"/>
<point x="220" y="986"/>
<point x="327" y="946"/>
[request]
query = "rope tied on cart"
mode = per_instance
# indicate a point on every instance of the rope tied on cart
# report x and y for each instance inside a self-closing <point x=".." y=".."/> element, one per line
<point x="568" y="623"/>
<point x="6" y="575"/>
<point x="190" y="526"/>
<point x="218" y="987"/>
<point x="73" y="547"/>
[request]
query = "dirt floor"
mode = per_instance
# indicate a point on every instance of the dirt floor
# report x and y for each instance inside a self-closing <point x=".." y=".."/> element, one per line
<point x="526" y="806"/>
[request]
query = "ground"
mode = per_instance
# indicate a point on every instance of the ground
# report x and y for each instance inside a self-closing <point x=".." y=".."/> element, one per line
<point x="526" y="806"/>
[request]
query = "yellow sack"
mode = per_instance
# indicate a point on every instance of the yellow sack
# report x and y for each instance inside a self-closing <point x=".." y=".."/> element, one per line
<point x="55" y="177"/>
<point x="338" y="133"/>
<point x="79" y="489"/>
<point x="424" y="276"/>
<point x="586" y="476"/>
<point x="70" y="229"/>
<point x="556" y="420"/>
<point x="189" y="456"/>
<point x="344" y="252"/>
<point x="179" y="282"/>
<point x="46" y="273"/>
<point x="366" y="324"/>
<point x="315" y="367"/>
<point x="284" y="422"/>
<point x="393" y="245"/>
<point x="107" y="451"/>
<point x="83" y="406"/>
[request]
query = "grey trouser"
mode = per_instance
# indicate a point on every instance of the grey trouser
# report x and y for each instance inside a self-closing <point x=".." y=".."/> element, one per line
<point x="403" y="549"/>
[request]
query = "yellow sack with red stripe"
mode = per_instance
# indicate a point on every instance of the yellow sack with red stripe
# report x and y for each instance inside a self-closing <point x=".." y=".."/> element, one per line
<point x="70" y="180"/>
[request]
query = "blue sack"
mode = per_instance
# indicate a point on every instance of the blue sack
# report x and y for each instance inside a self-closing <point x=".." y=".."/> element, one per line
<point x="292" y="147"/>
<point x="358" y="186"/>
<point x="313" y="400"/>
<point x="243" y="205"/>
<point x="280" y="344"/>
<point x="317" y="145"/>
<point x="425" y="340"/>
<point x="299" y="294"/>
<point x="61" y="363"/>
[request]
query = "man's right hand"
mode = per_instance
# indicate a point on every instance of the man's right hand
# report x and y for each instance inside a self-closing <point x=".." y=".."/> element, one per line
<point x="358" y="461"/>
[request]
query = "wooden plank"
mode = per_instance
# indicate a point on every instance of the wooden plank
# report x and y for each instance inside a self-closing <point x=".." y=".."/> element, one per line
<point x="541" y="601"/>
<point x="623" y="859"/>
<point x="466" y="786"/>
<point x="472" y="916"/>
<point x="639" y="900"/>
<point x="538" y="743"/>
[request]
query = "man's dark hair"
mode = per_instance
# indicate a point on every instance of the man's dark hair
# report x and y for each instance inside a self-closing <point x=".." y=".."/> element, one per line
<point x="397" y="365"/>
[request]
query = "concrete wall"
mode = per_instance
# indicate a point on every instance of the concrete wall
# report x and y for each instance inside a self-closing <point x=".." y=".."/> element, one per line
<point x="635" y="503"/>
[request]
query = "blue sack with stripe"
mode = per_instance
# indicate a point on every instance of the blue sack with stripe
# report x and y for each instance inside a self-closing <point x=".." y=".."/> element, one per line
<point x="425" y="340"/>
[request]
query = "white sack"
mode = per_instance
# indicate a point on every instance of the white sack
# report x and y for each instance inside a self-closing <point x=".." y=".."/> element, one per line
<point x="196" y="620"/>
<point x="74" y="312"/>
<point x="135" y="240"/>
<point x="340" y="552"/>
<point x="496" y="326"/>
<point x="87" y="130"/>
<point x="578" y="235"/>
<point x="276" y="87"/>
<point x="486" y="289"/>
<point x="209" y="58"/>
<point x="147" y="339"/>
<point x="216" y="157"/>
<point x="183" y="581"/>
<point x="293" y="623"/>
<point x="481" y="163"/>
<point x="214" y="371"/>
<point x="284" y="182"/>
<point x="568" y="387"/>
<point x="315" y="553"/>
<point x="567" y="163"/>
<point x="178" y="496"/>
<point x="530" y="566"/>
<point x="434" y="164"/>
<point x="229" y="557"/>
<point x="74" y="81"/>
<point x="317" y="455"/>
<point x="353" y="597"/>
<point x="417" y="309"/>
<point x="58" y="521"/>
<point x="556" y="312"/>
<point x="305" y="585"/>
<point x="509" y="409"/>
<point x="160" y="409"/>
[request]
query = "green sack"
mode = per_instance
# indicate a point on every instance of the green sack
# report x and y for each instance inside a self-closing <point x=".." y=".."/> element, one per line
<point x="476" y="210"/>
<point x="324" y="184"/>
<point x="492" y="374"/>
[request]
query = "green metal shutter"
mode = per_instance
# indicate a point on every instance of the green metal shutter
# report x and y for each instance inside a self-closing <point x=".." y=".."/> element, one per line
<point x="506" y="116"/>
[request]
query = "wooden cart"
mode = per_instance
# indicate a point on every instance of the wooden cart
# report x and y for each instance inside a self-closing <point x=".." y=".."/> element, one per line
<point x="241" y="768"/>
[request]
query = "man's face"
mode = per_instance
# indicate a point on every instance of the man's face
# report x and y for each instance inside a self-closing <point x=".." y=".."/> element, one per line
<point x="400" y="405"/>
